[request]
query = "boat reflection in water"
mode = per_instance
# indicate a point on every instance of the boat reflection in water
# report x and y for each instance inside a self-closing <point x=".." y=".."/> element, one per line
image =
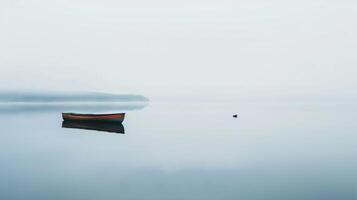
<point x="113" y="127"/>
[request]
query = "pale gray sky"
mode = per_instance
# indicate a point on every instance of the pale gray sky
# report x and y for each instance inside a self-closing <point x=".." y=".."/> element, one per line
<point x="219" y="47"/>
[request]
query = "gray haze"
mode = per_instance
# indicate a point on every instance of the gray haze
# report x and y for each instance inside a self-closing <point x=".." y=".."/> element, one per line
<point x="187" y="47"/>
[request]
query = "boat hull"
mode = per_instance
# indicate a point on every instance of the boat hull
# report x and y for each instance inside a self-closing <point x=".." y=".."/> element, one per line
<point x="116" y="117"/>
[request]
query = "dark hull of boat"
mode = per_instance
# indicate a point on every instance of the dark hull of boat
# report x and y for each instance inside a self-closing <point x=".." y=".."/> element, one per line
<point x="116" y="117"/>
<point x="113" y="127"/>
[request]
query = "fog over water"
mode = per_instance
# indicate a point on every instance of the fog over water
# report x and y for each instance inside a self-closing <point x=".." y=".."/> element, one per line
<point x="179" y="70"/>
<point x="180" y="48"/>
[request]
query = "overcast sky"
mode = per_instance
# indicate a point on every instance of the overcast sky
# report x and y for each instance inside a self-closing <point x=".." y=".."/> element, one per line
<point x="186" y="47"/>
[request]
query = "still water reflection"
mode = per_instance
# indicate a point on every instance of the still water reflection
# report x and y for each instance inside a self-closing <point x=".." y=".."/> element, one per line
<point x="113" y="127"/>
<point x="183" y="151"/>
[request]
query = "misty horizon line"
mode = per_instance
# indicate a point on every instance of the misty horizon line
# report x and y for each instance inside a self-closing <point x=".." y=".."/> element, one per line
<point x="67" y="97"/>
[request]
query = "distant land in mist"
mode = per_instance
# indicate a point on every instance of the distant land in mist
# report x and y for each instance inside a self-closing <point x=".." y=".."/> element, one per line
<point x="59" y="97"/>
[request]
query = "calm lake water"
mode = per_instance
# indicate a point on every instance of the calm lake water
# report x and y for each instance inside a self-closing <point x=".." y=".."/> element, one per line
<point x="179" y="151"/>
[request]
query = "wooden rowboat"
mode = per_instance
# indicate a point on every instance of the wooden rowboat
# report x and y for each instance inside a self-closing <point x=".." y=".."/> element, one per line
<point x="115" y="117"/>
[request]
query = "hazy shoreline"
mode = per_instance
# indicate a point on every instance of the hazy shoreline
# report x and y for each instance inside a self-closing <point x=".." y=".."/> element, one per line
<point x="67" y="97"/>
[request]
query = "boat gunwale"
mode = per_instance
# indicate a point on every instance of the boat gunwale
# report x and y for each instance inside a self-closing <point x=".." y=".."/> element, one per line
<point x="117" y="117"/>
<point x="93" y="115"/>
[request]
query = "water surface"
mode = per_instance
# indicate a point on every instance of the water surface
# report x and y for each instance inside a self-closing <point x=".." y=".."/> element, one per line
<point x="182" y="151"/>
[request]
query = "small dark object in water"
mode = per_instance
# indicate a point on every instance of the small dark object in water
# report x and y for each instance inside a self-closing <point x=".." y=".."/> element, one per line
<point x="235" y="116"/>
